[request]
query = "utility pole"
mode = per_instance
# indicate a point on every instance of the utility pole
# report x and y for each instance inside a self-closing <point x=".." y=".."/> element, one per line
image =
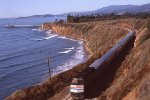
<point x="96" y="47"/>
<point x="49" y="67"/>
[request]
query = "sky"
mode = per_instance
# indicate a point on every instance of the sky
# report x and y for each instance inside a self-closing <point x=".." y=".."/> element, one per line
<point x="20" y="8"/>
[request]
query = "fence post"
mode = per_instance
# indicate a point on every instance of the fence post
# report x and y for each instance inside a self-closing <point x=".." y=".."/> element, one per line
<point x="49" y="67"/>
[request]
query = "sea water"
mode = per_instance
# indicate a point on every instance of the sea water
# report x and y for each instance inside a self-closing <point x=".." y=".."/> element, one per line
<point x="25" y="49"/>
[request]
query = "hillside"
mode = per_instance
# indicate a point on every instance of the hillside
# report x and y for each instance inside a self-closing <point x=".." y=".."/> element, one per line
<point x="116" y="9"/>
<point x="131" y="79"/>
<point x="124" y="8"/>
<point x="104" y="10"/>
<point x="42" y="16"/>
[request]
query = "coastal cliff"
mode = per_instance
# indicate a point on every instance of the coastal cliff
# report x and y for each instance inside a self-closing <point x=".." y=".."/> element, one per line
<point x="131" y="80"/>
<point x="100" y="36"/>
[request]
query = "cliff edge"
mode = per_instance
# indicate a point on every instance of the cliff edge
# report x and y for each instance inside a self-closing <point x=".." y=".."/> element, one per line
<point x="131" y="80"/>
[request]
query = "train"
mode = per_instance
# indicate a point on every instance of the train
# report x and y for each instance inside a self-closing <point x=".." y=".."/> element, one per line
<point x="83" y="81"/>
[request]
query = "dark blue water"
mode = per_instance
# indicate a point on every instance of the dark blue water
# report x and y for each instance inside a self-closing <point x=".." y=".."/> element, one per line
<point x="24" y="51"/>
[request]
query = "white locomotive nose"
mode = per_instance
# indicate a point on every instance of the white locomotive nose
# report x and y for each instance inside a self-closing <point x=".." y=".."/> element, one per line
<point x="77" y="88"/>
<point x="81" y="84"/>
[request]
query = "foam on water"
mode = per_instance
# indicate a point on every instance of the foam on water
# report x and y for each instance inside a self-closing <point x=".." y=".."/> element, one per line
<point x="72" y="48"/>
<point x="77" y="58"/>
<point x="80" y="53"/>
<point x="67" y="50"/>
<point x="23" y="57"/>
<point x="45" y="38"/>
<point x="49" y="33"/>
<point x="63" y="37"/>
<point x="37" y="29"/>
<point x="51" y="36"/>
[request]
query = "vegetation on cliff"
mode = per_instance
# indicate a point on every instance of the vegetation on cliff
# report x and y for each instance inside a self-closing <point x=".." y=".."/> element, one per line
<point x="133" y="73"/>
<point x="132" y="77"/>
<point x="110" y="16"/>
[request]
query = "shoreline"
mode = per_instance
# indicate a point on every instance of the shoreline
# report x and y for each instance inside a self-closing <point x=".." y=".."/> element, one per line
<point x="62" y="79"/>
<point x="88" y="54"/>
<point x="133" y="66"/>
<point x="86" y="49"/>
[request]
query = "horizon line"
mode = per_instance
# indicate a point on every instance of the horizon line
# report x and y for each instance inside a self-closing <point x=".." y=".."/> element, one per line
<point x="70" y="12"/>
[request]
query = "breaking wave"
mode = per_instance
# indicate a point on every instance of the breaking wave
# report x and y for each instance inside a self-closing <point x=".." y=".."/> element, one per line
<point x="63" y="37"/>
<point x="37" y="29"/>
<point x="77" y="58"/>
<point x="67" y="50"/>
<point x="49" y="33"/>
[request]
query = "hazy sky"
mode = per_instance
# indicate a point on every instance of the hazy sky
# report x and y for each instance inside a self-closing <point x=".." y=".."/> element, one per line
<point x="17" y="8"/>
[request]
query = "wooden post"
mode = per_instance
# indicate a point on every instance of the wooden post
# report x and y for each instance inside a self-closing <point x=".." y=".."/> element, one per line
<point x="49" y="67"/>
<point x="96" y="47"/>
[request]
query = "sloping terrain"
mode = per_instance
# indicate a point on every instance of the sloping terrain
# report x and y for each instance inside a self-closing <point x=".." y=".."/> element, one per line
<point x="131" y="79"/>
<point x="116" y="9"/>
<point x="100" y="36"/>
<point x="134" y="70"/>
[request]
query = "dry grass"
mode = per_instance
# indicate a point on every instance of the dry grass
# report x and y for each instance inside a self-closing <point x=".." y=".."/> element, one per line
<point x="132" y="71"/>
<point x="50" y="87"/>
<point x="100" y="36"/>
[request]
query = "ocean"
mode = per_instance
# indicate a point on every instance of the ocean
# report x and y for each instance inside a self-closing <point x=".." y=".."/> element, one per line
<point x="25" y="49"/>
